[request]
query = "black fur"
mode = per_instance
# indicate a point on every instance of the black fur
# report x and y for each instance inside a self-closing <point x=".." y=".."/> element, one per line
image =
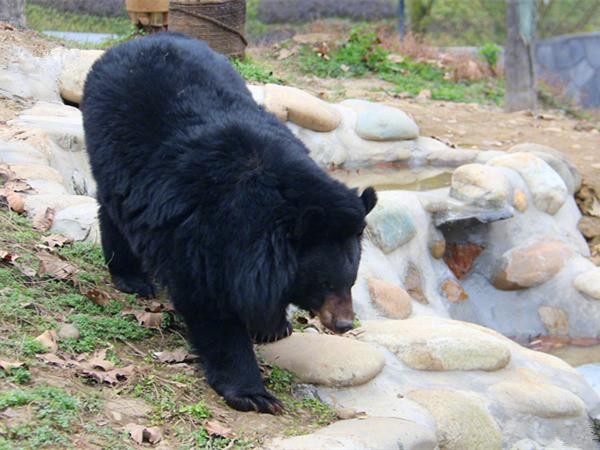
<point x="204" y="191"/>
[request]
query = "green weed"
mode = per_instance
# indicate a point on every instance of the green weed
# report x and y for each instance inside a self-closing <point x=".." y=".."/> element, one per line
<point x="54" y="411"/>
<point x="198" y="411"/>
<point x="490" y="52"/>
<point x="362" y="54"/>
<point x="253" y="72"/>
<point x="280" y="380"/>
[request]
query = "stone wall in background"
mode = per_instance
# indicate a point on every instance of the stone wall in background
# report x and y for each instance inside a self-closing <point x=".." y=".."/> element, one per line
<point x="572" y="62"/>
<point x="288" y="11"/>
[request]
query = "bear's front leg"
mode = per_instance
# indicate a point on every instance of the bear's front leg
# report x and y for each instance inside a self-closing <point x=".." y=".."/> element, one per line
<point x="230" y="365"/>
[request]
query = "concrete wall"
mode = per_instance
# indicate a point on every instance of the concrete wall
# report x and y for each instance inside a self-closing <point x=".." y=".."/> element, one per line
<point x="572" y="61"/>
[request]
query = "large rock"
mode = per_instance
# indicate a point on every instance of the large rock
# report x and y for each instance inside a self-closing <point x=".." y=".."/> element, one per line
<point x="36" y="172"/>
<point x="389" y="224"/>
<point x="431" y="343"/>
<point x="35" y="203"/>
<point x="588" y="283"/>
<point x="79" y="222"/>
<point x="538" y="399"/>
<point x="324" y="359"/>
<point x="393" y="301"/>
<point x="451" y="157"/>
<point x="462" y="421"/>
<point x="547" y="187"/>
<point x="480" y="185"/>
<point x="371" y="433"/>
<point x="301" y="108"/>
<point x="376" y="122"/>
<point x="531" y="264"/>
<point x="541" y="150"/>
<point x="21" y="153"/>
<point x="76" y="65"/>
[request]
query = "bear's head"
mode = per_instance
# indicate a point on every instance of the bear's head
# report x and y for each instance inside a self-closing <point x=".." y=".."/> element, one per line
<point x="328" y="263"/>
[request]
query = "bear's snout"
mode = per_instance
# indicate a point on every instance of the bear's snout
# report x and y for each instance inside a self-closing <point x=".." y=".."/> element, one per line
<point x="337" y="313"/>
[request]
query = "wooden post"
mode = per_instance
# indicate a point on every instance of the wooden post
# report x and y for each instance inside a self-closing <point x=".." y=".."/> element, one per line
<point x="519" y="63"/>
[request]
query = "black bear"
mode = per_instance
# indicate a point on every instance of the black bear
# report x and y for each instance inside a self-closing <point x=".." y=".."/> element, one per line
<point x="208" y="194"/>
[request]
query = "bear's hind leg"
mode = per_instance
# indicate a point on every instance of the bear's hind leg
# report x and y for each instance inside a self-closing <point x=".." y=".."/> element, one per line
<point x="230" y="364"/>
<point x="125" y="268"/>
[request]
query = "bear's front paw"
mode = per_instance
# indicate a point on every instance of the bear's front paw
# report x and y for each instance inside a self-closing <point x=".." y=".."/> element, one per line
<point x="283" y="332"/>
<point x="134" y="285"/>
<point x="263" y="402"/>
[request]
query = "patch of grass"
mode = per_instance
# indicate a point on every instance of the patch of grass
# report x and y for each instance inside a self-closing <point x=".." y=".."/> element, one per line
<point x="253" y="72"/>
<point x="96" y="331"/>
<point x="205" y="441"/>
<point x="280" y="380"/>
<point x="41" y="18"/>
<point x="32" y="347"/>
<point x="54" y="412"/>
<point x="161" y="396"/>
<point x="362" y="54"/>
<point x="323" y="413"/>
<point x="198" y="411"/>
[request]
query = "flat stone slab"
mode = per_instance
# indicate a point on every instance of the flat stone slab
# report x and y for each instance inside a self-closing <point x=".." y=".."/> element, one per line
<point x="435" y="344"/>
<point x="372" y="433"/>
<point x="325" y="359"/>
<point x="538" y="399"/>
<point x="462" y="421"/>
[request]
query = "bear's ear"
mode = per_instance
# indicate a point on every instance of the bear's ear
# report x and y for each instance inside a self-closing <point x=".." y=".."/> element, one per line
<point x="369" y="199"/>
<point x="310" y="223"/>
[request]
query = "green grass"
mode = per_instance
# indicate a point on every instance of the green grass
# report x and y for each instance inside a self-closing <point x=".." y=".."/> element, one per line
<point x="53" y="412"/>
<point x="42" y="18"/>
<point x="362" y="55"/>
<point x="254" y="72"/>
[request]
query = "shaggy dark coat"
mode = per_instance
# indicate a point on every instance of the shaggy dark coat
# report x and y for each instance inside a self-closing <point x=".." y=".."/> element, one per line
<point x="204" y="191"/>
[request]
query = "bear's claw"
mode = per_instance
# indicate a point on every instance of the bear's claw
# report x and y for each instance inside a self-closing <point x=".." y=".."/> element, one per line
<point x="263" y="402"/>
<point x="284" y="332"/>
<point x="134" y="285"/>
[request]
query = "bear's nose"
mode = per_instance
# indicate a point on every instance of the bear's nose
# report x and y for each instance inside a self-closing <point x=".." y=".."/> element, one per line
<point x="343" y="325"/>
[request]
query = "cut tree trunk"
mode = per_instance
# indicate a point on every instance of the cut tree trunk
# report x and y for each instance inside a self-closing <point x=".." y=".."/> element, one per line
<point x="13" y="12"/>
<point x="519" y="64"/>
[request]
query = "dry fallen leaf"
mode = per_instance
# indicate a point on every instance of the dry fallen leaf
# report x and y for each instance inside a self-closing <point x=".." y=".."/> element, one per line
<point x="43" y="219"/>
<point x="145" y="318"/>
<point x="176" y="356"/>
<point x="18" y="186"/>
<point x="111" y="377"/>
<point x="52" y="358"/>
<point x="98" y="360"/>
<point x="56" y="240"/>
<point x="97" y="296"/>
<point x="7" y="257"/>
<point x="54" y="266"/>
<point x="215" y="428"/>
<point x="141" y="434"/>
<point x="7" y="366"/>
<point x="160" y="307"/>
<point x="48" y="339"/>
